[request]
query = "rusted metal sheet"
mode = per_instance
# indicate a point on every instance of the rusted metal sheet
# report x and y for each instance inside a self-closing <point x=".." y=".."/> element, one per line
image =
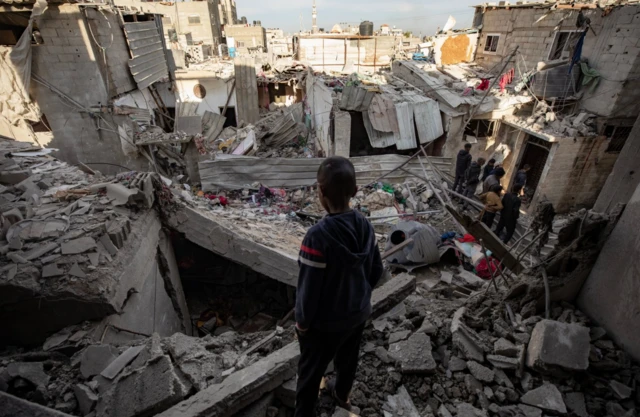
<point x="149" y="64"/>
<point x="233" y="172"/>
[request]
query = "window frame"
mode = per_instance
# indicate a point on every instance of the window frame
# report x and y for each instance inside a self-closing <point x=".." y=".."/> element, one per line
<point x="486" y="42"/>
<point x="192" y="16"/>
<point x="566" y="43"/>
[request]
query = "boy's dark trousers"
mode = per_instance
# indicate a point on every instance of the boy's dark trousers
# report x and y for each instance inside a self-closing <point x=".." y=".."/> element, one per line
<point x="509" y="225"/>
<point x="317" y="349"/>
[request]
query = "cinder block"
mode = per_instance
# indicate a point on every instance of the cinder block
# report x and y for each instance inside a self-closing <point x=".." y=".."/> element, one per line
<point x="77" y="41"/>
<point x="70" y="32"/>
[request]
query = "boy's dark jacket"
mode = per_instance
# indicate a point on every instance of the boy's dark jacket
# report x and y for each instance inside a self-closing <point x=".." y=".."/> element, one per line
<point x="340" y="265"/>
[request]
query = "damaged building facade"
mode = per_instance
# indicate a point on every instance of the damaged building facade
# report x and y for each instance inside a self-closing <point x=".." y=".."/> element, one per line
<point x="149" y="250"/>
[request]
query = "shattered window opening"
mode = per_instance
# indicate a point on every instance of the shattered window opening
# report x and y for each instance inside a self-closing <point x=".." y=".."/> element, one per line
<point x="194" y="20"/>
<point x="617" y="136"/>
<point x="563" y="42"/>
<point x="480" y="128"/>
<point x="491" y="44"/>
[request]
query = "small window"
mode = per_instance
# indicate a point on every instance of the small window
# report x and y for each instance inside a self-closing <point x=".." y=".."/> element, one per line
<point x="479" y="128"/>
<point x="240" y="44"/>
<point x="617" y="136"/>
<point x="491" y="44"/>
<point x="199" y="91"/>
<point x="563" y="43"/>
<point x="194" y="20"/>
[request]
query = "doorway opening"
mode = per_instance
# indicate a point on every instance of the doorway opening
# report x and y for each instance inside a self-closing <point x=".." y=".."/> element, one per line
<point x="535" y="154"/>
<point x="230" y="114"/>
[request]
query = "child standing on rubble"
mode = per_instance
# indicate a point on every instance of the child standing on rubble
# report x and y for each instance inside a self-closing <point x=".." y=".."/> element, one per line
<point x="340" y="265"/>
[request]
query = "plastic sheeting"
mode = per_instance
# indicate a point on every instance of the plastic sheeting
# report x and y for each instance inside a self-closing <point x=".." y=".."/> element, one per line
<point x="15" y="76"/>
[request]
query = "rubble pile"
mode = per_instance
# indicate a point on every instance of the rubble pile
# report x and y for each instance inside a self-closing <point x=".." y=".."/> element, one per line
<point x="544" y="119"/>
<point x="490" y="357"/>
<point x="73" y="374"/>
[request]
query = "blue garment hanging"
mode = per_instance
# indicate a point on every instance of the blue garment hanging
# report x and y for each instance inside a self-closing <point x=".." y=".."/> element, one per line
<point x="578" y="51"/>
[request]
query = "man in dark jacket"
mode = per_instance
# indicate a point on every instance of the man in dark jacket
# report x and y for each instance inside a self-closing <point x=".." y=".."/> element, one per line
<point x="521" y="176"/>
<point x="509" y="214"/>
<point x="340" y="264"/>
<point x="463" y="161"/>
<point x="488" y="168"/>
<point x="472" y="179"/>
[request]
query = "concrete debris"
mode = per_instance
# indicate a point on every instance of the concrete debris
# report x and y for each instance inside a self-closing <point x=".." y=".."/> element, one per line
<point x="480" y="372"/>
<point x="465" y="339"/>
<point x="79" y="245"/>
<point x="29" y="371"/>
<point x="148" y="390"/>
<point x="286" y="393"/>
<point x="414" y="355"/>
<point x="505" y="348"/>
<point x="576" y="404"/>
<point x="115" y="367"/>
<point x="467" y="410"/>
<point x="86" y="398"/>
<point x="621" y="391"/>
<point x="51" y="270"/>
<point x="96" y="358"/>
<point x="559" y="344"/>
<point x="401" y="404"/>
<point x="76" y="271"/>
<point x="341" y="412"/>
<point x="547" y="397"/>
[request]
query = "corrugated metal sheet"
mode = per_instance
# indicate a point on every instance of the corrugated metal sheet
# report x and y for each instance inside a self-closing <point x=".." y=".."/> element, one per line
<point x="191" y="125"/>
<point x="246" y="89"/>
<point x="377" y="138"/>
<point x="212" y="125"/>
<point x="356" y="98"/>
<point x="427" y="117"/>
<point x="406" y="137"/>
<point x="233" y="172"/>
<point x="149" y="64"/>
<point x="187" y="108"/>
<point x="382" y="113"/>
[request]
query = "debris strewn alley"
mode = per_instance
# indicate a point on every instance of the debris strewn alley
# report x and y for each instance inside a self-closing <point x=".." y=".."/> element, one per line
<point x="159" y="172"/>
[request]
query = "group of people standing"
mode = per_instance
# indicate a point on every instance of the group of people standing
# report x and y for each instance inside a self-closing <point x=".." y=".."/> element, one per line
<point x="470" y="173"/>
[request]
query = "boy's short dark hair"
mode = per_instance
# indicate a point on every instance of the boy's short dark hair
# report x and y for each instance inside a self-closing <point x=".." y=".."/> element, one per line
<point x="496" y="188"/>
<point x="337" y="177"/>
<point x="526" y="166"/>
<point x="499" y="172"/>
<point x="467" y="146"/>
<point x="517" y="188"/>
<point x="492" y="161"/>
<point x="481" y="161"/>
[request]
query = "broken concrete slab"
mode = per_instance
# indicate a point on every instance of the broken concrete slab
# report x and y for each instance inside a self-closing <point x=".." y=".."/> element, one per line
<point x="529" y="411"/>
<point x="481" y="373"/>
<point x="621" y="391"/>
<point x="37" y="252"/>
<point x="427" y="327"/>
<point x="148" y="390"/>
<point x="468" y="342"/>
<point x="504" y="347"/>
<point x="401" y="404"/>
<point x="576" y="404"/>
<point x="31" y="371"/>
<point x="559" y="344"/>
<point x="258" y="408"/>
<point x="467" y="410"/>
<point x="79" y="245"/>
<point x="114" y="368"/>
<point x="392" y="293"/>
<point x="86" y="398"/>
<point x="17" y="407"/>
<point x="414" y="355"/>
<point x="240" y="388"/>
<point x="56" y="339"/>
<point x="96" y="358"/>
<point x="456" y="364"/>
<point x="51" y="270"/>
<point x="446" y="277"/>
<point x="546" y="397"/>
<point x="399" y="336"/>
<point x="76" y="271"/>
<point x="118" y="230"/>
<point x="121" y="195"/>
<point x="341" y="412"/>
<point x="108" y="245"/>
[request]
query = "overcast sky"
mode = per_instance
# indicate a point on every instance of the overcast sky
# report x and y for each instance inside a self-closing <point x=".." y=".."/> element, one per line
<point x="418" y="16"/>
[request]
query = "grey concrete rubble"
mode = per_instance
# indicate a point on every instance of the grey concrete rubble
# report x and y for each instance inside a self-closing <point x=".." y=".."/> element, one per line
<point x="559" y="344"/>
<point x="547" y="397"/>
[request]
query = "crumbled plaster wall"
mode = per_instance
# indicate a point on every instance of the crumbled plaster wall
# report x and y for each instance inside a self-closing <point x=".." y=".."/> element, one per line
<point x="75" y="71"/>
<point x="614" y="52"/>
<point x="575" y="173"/>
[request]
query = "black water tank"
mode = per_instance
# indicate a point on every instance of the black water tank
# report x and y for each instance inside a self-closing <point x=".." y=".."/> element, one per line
<point x="366" y="28"/>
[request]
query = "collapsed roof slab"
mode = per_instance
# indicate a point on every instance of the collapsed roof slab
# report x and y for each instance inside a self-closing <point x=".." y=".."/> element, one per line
<point x="244" y="387"/>
<point x="229" y="237"/>
<point x="32" y="305"/>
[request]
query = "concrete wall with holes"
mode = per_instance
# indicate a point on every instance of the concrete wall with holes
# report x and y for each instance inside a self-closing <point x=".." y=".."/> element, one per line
<point x="613" y="50"/>
<point x="67" y="60"/>
<point x="575" y="172"/>
<point x="217" y="90"/>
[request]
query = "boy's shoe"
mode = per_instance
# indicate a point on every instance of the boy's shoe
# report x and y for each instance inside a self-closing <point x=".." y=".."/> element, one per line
<point x="331" y="386"/>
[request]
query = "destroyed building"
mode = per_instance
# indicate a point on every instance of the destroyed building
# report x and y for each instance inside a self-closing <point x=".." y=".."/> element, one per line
<point x="148" y="266"/>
